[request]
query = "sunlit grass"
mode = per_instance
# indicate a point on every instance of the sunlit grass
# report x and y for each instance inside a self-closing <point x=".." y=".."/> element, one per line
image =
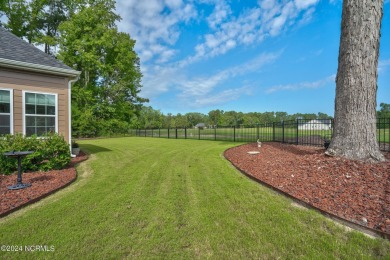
<point x="159" y="198"/>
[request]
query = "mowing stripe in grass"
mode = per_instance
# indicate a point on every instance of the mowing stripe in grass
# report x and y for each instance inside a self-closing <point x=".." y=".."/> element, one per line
<point x="157" y="198"/>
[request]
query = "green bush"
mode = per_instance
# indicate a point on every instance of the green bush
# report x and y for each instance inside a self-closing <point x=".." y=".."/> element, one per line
<point x="50" y="152"/>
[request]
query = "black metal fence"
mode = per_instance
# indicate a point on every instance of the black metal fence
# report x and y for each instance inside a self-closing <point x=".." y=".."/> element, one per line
<point x="300" y="132"/>
<point x="383" y="133"/>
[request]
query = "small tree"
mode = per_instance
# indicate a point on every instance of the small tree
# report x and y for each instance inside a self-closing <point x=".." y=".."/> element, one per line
<point x="356" y="82"/>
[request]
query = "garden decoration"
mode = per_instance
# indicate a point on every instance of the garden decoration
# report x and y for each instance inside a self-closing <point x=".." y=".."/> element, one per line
<point x="327" y="141"/>
<point x="75" y="148"/>
<point x="258" y="146"/>
<point x="19" y="155"/>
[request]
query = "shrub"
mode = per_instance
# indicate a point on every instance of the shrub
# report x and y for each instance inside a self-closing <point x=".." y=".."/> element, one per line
<point x="50" y="152"/>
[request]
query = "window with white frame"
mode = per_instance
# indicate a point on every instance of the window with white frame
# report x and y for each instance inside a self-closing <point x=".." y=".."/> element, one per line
<point x="5" y="112"/>
<point x="40" y="113"/>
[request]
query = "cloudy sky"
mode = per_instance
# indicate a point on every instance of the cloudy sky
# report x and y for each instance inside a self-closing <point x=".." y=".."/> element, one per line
<point x="242" y="55"/>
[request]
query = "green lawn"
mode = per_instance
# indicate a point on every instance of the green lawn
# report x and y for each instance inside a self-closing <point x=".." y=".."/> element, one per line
<point x="383" y="135"/>
<point x="160" y="198"/>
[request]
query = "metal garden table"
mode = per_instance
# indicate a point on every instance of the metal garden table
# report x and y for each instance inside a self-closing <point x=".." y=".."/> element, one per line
<point x="19" y="156"/>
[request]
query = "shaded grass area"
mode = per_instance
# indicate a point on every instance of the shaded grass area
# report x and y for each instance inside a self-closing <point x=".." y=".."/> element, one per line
<point x="157" y="198"/>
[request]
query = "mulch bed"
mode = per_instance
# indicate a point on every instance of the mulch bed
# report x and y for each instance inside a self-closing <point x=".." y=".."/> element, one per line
<point x="355" y="191"/>
<point x="43" y="184"/>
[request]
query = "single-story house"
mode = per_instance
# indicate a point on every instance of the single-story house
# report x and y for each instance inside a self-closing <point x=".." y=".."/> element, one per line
<point x="35" y="90"/>
<point x="200" y="126"/>
<point x="315" y="124"/>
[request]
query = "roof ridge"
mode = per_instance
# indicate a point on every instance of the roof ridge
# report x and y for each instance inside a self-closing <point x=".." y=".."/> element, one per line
<point x="14" y="48"/>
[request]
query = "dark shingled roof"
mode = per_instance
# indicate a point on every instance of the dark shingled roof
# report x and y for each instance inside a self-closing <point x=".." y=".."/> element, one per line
<point x="14" y="48"/>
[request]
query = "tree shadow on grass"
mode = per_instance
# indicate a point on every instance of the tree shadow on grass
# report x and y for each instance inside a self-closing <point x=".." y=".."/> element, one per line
<point x="93" y="149"/>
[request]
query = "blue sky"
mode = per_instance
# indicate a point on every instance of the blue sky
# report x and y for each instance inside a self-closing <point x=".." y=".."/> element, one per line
<point x="242" y="55"/>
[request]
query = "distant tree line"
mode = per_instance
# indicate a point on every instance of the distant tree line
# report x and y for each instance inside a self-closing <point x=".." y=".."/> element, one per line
<point x="384" y="111"/>
<point x="152" y="118"/>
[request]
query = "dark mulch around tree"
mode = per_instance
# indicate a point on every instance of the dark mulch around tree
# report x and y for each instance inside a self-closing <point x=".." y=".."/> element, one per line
<point x="43" y="184"/>
<point x="356" y="191"/>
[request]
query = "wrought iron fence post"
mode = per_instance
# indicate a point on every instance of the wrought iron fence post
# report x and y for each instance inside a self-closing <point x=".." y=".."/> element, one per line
<point x="185" y="132"/>
<point x="176" y="132"/>
<point x="282" y="131"/>
<point x="388" y="127"/>
<point x="273" y="131"/>
<point x="215" y="133"/>
<point x="296" y="139"/>
<point x="234" y="133"/>
<point x="257" y="132"/>
<point x="168" y="132"/>
<point x="159" y="132"/>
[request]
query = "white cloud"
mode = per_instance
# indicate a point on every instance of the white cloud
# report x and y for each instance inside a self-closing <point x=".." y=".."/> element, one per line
<point x="303" y="85"/>
<point x="202" y="86"/>
<point x="219" y="15"/>
<point x="269" y="18"/>
<point x="277" y="24"/>
<point x="383" y="64"/>
<point x="157" y="23"/>
<point x="154" y="23"/>
<point x="173" y="3"/>
<point x="311" y="55"/>
<point x="318" y="52"/>
<point x="303" y="4"/>
<point x="200" y="91"/>
<point x="161" y="79"/>
<point x="307" y="16"/>
<point x="221" y="97"/>
<point x="267" y="4"/>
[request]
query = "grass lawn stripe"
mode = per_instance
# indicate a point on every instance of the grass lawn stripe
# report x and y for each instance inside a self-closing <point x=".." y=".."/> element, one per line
<point x="160" y="198"/>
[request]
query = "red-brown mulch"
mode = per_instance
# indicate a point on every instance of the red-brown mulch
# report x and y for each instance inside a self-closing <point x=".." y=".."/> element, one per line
<point x="43" y="184"/>
<point x="356" y="191"/>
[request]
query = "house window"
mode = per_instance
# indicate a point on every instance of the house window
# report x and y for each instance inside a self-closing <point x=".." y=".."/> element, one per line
<point x="40" y="113"/>
<point x="5" y="112"/>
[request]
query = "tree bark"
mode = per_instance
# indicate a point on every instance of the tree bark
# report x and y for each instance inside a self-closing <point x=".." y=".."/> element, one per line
<point x="354" y="135"/>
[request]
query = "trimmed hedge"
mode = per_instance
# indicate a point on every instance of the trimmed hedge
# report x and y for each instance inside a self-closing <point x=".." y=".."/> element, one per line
<point x="50" y="153"/>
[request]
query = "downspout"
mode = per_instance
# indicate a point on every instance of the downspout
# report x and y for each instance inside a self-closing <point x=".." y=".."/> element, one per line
<point x="70" y="113"/>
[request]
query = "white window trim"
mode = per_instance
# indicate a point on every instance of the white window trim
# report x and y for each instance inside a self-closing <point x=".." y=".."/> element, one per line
<point x="24" y="107"/>
<point x="11" y="111"/>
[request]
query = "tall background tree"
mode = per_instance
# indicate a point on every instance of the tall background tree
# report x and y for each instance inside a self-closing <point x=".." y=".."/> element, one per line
<point x="17" y="14"/>
<point x="354" y="134"/>
<point x="384" y="111"/>
<point x="108" y="88"/>
<point x="37" y="21"/>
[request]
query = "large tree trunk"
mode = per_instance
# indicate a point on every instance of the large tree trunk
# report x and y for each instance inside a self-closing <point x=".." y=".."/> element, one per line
<point x="354" y="134"/>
